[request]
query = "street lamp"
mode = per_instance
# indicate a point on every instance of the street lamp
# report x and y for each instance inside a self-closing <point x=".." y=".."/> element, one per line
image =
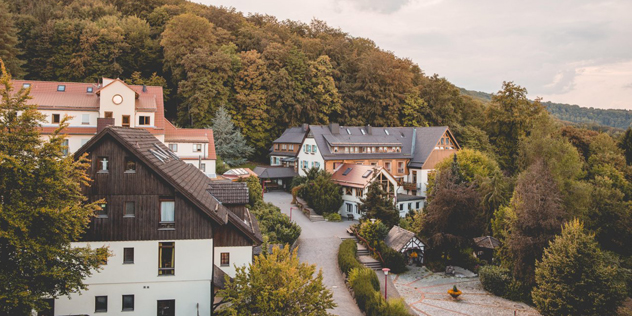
<point x="386" y="282"/>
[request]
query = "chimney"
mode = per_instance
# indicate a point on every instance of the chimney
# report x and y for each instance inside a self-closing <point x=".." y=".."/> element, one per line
<point x="144" y="88"/>
<point x="369" y="130"/>
<point x="334" y="128"/>
<point x="103" y="122"/>
<point x="305" y="127"/>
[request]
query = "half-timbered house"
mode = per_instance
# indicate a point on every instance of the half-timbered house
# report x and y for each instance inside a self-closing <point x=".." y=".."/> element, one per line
<point x="405" y="242"/>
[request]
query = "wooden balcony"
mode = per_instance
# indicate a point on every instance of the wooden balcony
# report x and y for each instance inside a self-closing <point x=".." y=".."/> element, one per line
<point x="408" y="185"/>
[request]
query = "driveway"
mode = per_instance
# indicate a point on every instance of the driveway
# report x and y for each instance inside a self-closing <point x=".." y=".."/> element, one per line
<point x="318" y="244"/>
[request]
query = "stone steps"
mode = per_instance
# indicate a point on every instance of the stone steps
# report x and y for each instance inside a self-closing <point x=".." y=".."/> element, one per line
<point x="369" y="262"/>
<point x="316" y="218"/>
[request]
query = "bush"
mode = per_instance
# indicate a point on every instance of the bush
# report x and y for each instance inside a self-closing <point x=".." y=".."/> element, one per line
<point x="374" y="233"/>
<point x="347" y="256"/>
<point x="320" y="192"/>
<point x="393" y="260"/>
<point x="363" y="273"/>
<point x="395" y="307"/>
<point x="274" y="224"/>
<point x="333" y="217"/>
<point x="500" y="282"/>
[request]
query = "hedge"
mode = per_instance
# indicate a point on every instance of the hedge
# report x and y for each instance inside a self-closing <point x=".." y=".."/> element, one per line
<point x="365" y="285"/>
<point x="500" y="282"/>
<point x="393" y="260"/>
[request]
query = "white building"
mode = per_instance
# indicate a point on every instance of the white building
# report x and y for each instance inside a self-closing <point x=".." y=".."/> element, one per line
<point x="124" y="105"/>
<point x="171" y="239"/>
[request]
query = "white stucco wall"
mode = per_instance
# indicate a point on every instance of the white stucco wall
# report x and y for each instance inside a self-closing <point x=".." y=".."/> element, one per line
<point x="210" y="165"/>
<point x="75" y="120"/>
<point x="310" y="157"/>
<point x="127" y="107"/>
<point x="239" y="256"/>
<point x="189" y="286"/>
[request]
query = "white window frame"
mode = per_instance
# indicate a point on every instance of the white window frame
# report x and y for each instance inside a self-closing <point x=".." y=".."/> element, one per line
<point x="85" y="119"/>
<point x="173" y="147"/>
<point x="197" y="148"/>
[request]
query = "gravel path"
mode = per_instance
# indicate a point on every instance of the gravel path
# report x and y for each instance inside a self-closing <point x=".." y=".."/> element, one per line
<point x="318" y="244"/>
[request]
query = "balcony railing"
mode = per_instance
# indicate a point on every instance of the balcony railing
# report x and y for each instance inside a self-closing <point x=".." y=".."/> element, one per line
<point x="409" y="185"/>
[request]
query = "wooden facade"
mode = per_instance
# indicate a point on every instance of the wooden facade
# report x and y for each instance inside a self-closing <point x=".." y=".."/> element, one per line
<point x="145" y="188"/>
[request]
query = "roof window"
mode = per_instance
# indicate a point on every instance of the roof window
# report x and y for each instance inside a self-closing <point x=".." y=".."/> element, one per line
<point x="61" y="88"/>
<point x="89" y="90"/>
<point x="386" y="131"/>
<point x="367" y="174"/>
<point x="348" y="131"/>
<point x="363" y="132"/>
<point x="346" y="172"/>
<point x="26" y="85"/>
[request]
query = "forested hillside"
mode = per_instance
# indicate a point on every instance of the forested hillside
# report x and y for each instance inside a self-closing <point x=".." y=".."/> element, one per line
<point x="268" y="74"/>
<point x="590" y="117"/>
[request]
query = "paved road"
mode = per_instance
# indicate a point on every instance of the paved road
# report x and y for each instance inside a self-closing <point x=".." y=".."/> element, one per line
<point x="318" y="244"/>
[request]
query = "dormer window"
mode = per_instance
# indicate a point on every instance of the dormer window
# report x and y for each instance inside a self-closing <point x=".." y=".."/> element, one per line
<point x="144" y="120"/>
<point x="26" y="85"/>
<point x="197" y="148"/>
<point x="89" y="90"/>
<point x="61" y="88"/>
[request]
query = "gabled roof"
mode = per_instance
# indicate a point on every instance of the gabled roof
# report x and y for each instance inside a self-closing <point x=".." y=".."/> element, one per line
<point x="357" y="176"/>
<point x="488" y="242"/>
<point x="398" y="238"/>
<point x="191" y="135"/>
<point x="98" y="92"/>
<point x="292" y="135"/>
<point x="426" y="141"/>
<point x="185" y="178"/>
<point x="230" y="192"/>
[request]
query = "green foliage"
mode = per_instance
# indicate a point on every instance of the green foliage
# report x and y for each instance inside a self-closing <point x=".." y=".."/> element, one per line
<point x="255" y="191"/>
<point x="42" y="209"/>
<point x="220" y="166"/>
<point x="229" y="143"/>
<point x="321" y="193"/>
<point x="626" y="145"/>
<point x="333" y="217"/>
<point x="495" y="279"/>
<point x="274" y="224"/>
<point x="576" y="278"/>
<point x="8" y="41"/>
<point x="396" y="261"/>
<point x="276" y="284"/>
<point x="377" y="204"/>
<point x="361" y="275"/>
<point x="347" y="256"/>
<point x="373" y="232"/>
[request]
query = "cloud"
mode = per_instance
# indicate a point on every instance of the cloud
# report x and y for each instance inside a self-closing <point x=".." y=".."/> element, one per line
<point x="378" y="5"/>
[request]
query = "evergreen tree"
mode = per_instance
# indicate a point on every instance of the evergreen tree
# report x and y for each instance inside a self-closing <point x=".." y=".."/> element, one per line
<point x="42" y="209"/>
<point x="626" y="145"/>
<point x="322" y="194"/>
<point x="230" y="145"/>
<point x="377" y="204"/>
<point x="576" y="278"/>
<point x="277" y="284"/>
<point x="8" y="41"/>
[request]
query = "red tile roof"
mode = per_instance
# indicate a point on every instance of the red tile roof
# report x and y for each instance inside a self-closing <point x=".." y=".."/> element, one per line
<point x="190" y="135"/>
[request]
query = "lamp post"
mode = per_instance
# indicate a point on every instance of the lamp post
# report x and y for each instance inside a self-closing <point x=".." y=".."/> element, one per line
<point x="386" y="282"/>
<point x="291" y="208"/>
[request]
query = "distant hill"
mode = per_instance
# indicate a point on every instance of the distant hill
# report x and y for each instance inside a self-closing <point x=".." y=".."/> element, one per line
<point x="620" y="119"/>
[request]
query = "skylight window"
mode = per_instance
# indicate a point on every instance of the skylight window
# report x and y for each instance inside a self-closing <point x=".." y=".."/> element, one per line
<point x="346" y="172"/>
<point x="386" y="131"/>
<point x="26" y="85"/>
<point x="89" y="90"/>
<point x="348" y="131"/>
<point x="367" y="174"/>
<point x="363" y="132"/>
<point x="61" y="88"/>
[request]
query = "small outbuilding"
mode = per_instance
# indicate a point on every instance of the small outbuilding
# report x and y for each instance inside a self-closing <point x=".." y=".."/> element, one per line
<point x="407" y="243"/>
<point x="484" y="247"/>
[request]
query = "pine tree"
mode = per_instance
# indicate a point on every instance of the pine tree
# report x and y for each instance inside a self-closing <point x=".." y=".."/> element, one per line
<point x="42" y="209"/>
<point x="377" y="204"/>
<point x="230" y="145"/>
<point x="576" y="278"/>
<point x="277" y="284"/>
<point x="8" y="41"/>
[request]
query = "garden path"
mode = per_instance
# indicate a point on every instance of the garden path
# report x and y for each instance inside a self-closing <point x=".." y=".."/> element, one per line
<point x="318" y="244"/>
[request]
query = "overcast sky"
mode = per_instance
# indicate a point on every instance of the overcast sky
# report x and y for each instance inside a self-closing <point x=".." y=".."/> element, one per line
<point x="577" y="52"/>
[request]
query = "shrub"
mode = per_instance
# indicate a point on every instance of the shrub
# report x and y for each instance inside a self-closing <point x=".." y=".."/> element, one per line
<point x="363" y="273"/>
<point x="393" y="260"/>
<point x="395" y="307"/>
<point x="495" y="280"/>
<point x="333" y="217"/>
<point x="320" y="192"/>
<point x="274" y="224"/>
<point x="347" y="256"/>
<point x="373" y="232"/>
<point x="365" y="295"/>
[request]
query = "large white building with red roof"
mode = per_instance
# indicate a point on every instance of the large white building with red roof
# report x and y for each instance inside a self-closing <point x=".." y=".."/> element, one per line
<point x="90" y="107"/>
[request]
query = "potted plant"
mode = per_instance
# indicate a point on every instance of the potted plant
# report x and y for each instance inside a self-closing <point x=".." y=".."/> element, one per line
<point x="454" y="292"/>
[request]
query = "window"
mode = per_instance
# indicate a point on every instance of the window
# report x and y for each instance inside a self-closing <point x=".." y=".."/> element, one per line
<point x="306" y="148"/>
<point x="410" y="206"/>
<point x="346" y="150"/>
<point x="61" y="88"/>
<point x="130" y="165"/>
<point x="56" y="119"/>
<point x="85" y="119"/>
<point x="125" y="121"/>
<point x="103" y="212"/>
<point x="128" y="303"/>
<point x="387" y="166"/>
<point x="64" y="148"/>
<point x="225" y="259"/>
<point x="108" y="115"/>
<point x="401" y="207"/>
<point x="291" y="147"/>
<point x="316" y="164"/>
<point x="197" y="148"/>
<point x="89" y="89"/>
<point x="276" y="147"/>
<point x="100" y="304"/>
<point x="358" y="192"/>
<point x="26" y="85"/>
<point x="166" y="252"/>
<point x="144" y="120"/>
<point x="104" y="164"/>
<point x="400" y="167"/>
<point x="284" y="147"/>
<point x="314" y="149"/>
<point x="417" y="205"/>
<point x="167" y="214"/>
<point x="336" y="149"/>
<point x="348" y="191"/>
<point x="130" y="209"/>
<point x="167" y="308"/>
<point x="128" y="255"/>
<point x="203" y="167"/>
<point x="173" y="147"/>
<point x="349" y="208"/>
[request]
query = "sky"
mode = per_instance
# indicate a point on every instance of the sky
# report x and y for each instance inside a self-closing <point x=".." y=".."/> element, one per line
<point x="576" y="52"/>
